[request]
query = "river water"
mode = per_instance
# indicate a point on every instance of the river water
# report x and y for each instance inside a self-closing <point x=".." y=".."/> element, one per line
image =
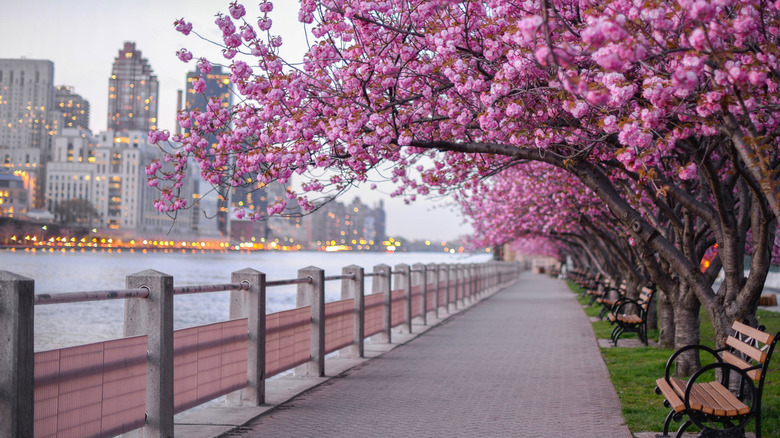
<point x="63" y="325"/>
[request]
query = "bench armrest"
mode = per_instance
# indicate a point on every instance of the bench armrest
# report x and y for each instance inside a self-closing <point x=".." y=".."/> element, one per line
<point x="674" y="356"/>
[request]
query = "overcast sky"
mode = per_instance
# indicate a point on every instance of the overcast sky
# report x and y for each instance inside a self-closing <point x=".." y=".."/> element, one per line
<point x="82" y="38"/>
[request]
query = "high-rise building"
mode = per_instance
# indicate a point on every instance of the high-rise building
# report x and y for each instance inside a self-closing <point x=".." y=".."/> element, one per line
<point x="132" y="92"/>
<point x="74" y="108"/>
<point x="28" y="121"/>
<point x="356" y="225"/>
<point x="70" y="175"/>
<point x="217" y="86"/>
<point x="26" y="99"/>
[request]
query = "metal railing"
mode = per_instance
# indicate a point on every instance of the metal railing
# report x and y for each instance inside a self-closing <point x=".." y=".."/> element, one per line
<point x="154" y="370"/>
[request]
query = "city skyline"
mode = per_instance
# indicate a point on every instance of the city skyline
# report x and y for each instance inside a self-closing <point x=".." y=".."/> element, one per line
<point x="82" y="39"/>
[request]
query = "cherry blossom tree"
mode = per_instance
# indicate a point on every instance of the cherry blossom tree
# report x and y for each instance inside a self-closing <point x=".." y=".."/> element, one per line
<point x="677" y="100"/>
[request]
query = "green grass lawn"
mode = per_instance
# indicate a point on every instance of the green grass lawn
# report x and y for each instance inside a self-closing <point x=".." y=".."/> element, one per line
<point x="634" y="370"/>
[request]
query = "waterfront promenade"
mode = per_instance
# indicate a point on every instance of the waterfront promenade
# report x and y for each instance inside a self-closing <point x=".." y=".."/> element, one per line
<point x="521" y="363"/>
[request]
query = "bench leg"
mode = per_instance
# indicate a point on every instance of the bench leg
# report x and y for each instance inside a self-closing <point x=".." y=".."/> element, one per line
<point x="667" y="423"/>
<point x="683" y="428"/>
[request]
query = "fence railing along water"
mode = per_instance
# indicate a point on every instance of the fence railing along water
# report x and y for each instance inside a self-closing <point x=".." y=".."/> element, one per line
<point x="143" y="379"/>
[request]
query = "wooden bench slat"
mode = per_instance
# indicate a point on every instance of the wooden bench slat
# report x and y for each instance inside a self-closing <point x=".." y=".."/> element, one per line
<point x="708" y="397"/>
<point x="764" y="338"/>
<point x="738" y="362"/>
<point x="738" y="407"/>
<point x="721" y="404"/>
<point x="749" y="350"/>
<point x="671" y="396"/>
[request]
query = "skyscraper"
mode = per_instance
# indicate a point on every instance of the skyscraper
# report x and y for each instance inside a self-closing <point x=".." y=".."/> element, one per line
<point x="217" y="85"/>
<point x="74" y="108"/>
<point x="26" y="98"/>
<point x="28" y="121"/>
<point x="132" y="92"/>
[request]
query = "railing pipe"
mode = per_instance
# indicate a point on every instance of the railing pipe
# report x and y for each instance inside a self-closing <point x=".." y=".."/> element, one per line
<point x="80" y="297"/>
<point x="340" y="277"/>
<point x="249" y="302"/>
<point x="352" y="286"/>
<point x="313" y="294"/>
<point x="153" y="317"/>
<point x="199" y="289"/>
<point x="305" y="280"/>
<point x="17" y="357"/>
<point x="402" y="270"/>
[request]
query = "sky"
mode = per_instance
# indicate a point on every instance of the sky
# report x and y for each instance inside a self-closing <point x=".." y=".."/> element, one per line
<point x="82" y="38"/>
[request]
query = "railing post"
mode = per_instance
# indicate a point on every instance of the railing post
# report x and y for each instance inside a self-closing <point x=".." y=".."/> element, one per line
<point x="433" y="276"/>
<point x="467" y="283"/>
<point x="153" y="317"/>
<point x="354" y="288"/>
<point x="250" y="304"/>
<point x="459" y="286"/>
<point x="382" y="283"/>
<point x="449" y="269"/>
<point x="474" y="275"/>
<point x="422" y="280"/>
<point x="313" y="294"/>
<point x="17" y="357"/>
<point x="403" y="271"/>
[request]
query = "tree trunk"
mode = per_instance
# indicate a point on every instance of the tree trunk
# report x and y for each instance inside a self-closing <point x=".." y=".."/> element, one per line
<point x="686" y="324"/>
<point x="652" y="314"/>
<point x="666" y="332"/>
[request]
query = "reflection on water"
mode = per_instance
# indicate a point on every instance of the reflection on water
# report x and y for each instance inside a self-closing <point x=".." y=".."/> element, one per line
<point x="62" y="325"/>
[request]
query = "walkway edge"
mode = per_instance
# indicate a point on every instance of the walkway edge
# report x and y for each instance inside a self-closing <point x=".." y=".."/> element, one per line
<point x="214" y="421"/>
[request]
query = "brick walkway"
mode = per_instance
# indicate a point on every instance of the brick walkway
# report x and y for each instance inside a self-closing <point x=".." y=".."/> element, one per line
<point x="523" y="363"/>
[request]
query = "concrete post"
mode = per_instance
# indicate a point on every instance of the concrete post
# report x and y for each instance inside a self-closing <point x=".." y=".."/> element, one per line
<point x="456" y="274"/>
<point x="250" y="304"/>
<point x="422" y="279"/>
<point x="153" y="317"/>
<point x="404" y="275"/>
<point x="313" y="294"/>
<point x="354" y="288"/>
<point x="433" y="277"/>
<point x="444" y="274"/>
<point x="382" y="283"/>
<point x="17" y="357"/>
<point x="467" y="298"/>
<point x="473" y="281"/>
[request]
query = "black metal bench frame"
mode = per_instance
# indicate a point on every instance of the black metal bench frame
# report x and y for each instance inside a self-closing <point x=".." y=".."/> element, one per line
<point x="622" y="326"/>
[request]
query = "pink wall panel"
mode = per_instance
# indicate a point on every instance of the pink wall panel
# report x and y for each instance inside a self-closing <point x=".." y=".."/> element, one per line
<point x="91" y="390"/>
<point x="287" y="340"/>
<point x="431" y="298"/>
<point x="372" y="314"/>
<point x="339" y="322"/>
<point x="209" y="361"/>
<point x="416" y="308"/>
<point x="453" y="289"/>
<point x="442" y="293"/>
<point x="397" y="317"/>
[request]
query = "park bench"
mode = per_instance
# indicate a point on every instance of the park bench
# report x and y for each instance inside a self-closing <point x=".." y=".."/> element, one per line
<point x="710" y="405"/>
<point x="610" y="297"/>
<point x="596" y="287"/>
<point x="630" y="316"/>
